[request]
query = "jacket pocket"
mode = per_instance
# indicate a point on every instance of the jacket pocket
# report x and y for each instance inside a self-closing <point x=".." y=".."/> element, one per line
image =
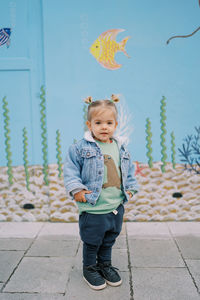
<point x="87" y="153"/>
<point x="88" y="173"/>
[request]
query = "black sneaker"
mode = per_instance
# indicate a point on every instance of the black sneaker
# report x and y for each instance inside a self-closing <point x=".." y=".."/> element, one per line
<point x="91" y="274"/>
<point x="110" y="274"/>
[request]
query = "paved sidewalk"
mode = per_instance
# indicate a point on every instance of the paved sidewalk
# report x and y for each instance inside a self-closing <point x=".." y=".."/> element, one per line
<point x="42" y="261"/>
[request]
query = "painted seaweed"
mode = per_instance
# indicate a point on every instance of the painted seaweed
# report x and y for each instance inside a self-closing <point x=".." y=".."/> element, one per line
<point x="173" y="152"/>
<point x="58" y="153"/>
<point x="7" y="140"/>
<point x="190" y="152"/>
<point x="85" y="117"/>
<point x="163" y="133"/>
<point x="25" y="157"/>
<point x="44" y="135"/>
<point x="149" y="143"/>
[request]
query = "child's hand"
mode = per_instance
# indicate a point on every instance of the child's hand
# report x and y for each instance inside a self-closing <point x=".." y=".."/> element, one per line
<point x="80" y="196"/>
<point x="130" y="194"/>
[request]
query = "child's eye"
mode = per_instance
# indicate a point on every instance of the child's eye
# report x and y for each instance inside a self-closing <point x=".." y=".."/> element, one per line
<point x="110" y="123"/>
<point x="97" y="122"/>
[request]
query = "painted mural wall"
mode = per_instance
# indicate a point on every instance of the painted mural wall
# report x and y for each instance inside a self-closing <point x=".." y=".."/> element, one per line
<point x="53" y="56"/>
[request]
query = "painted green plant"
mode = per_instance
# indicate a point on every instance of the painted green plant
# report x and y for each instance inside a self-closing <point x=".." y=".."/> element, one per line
<point x="7" y="140"/>
<point x="163" y="133"/>
<point x="58" y="153"/>
<point x="25" y="157"/>
<point x="173" y="152"/>
<point x="44" y="135"/>
<point x="85" y="108"/>
<point x="149" y="142"/>
<point x="190" y="152"/>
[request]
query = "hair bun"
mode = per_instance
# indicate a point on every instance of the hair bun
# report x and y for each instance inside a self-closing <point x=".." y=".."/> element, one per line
<point x="115" y="98"/>
<point x="88" y="100"/>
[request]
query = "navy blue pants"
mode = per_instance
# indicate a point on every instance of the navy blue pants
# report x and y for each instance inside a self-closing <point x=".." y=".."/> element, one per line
<point x="98" y="233"/>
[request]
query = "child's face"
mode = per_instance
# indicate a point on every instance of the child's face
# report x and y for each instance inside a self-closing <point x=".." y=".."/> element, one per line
<point x="103" y="125"/>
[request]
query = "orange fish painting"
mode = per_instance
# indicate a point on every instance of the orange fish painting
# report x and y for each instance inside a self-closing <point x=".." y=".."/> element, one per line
<point x="105" y="47"/>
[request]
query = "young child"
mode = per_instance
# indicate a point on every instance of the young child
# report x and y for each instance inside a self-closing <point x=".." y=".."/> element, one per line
<point x="99" y="174"/>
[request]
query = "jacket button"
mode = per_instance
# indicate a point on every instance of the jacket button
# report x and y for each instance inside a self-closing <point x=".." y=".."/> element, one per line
<point x="99" y="172"/>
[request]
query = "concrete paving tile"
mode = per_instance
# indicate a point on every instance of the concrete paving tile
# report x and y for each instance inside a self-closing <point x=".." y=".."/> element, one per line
<point x="123" y="231"/>
<point x="184" y="228"/>
<point x="15" y="244"/>
<point x="19" y="230"/>
<point x="120" y="259"/>
<point x="194" y="267"/>
<point x="8" y="262"/>
<point x="23" y="296"/>
<point x="66" y="248"/>
<point x="120" y="242"/>
<point x="76" y="280"/>
<point x="40" y="275"/>
<point x="60" y="231"/>
<point x="79" y="257"/>
<point x="161" y="275"/>
<point x="147" y="230"/>
<point x="154" y="253"/>
<point x="163" y="284"/>
<point x="189" y="246"/>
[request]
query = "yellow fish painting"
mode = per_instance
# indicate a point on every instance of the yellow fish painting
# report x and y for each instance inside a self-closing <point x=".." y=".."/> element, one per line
<point x="105" y="47"/>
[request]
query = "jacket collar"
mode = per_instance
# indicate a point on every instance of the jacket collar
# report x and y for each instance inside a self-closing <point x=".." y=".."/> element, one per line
<point x="88" y="137"/>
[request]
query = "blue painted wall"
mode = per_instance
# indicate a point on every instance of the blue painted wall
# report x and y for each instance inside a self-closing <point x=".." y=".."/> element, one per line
<point x="50" y="45"/>
<point x="21" y="75"/>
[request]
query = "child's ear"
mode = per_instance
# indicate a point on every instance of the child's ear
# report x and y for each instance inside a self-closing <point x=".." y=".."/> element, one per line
<point x="116" y="123"/>
<point x="88" y="123"/>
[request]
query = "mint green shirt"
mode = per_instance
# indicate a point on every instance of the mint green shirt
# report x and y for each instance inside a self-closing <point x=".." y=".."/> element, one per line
<point x="111" y="195"/>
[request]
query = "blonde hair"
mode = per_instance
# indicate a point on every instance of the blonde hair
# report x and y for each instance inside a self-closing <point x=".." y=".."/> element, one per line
<point x="106" y="104"/>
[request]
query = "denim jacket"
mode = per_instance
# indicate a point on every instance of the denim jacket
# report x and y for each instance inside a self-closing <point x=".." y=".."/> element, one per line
<point x="84" y="168"/>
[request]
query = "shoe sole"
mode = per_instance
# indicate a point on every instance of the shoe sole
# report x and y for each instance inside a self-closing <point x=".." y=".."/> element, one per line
<point x="94" y="287"/>
<point x="114" y="283"/>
